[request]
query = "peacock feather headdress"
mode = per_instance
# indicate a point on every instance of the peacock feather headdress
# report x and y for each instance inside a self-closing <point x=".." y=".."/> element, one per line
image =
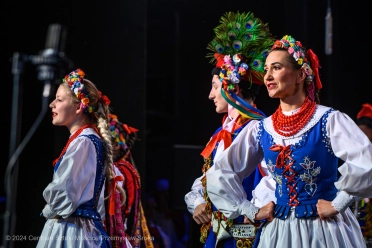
<point x="239" y="48"/>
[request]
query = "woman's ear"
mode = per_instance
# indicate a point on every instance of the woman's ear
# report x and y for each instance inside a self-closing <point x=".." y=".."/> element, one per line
<point x="303" y="74"/>
<point x="79" y="108"/>
<point x="236" y="89"/>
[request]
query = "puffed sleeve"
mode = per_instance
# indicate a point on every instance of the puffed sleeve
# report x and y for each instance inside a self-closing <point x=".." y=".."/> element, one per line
<point x="196" y="196"/>
<point x="224" y="178"/>
<point x="351" y="145"/>
<point x="264" y="192"/>
<point x="73" y="181"/>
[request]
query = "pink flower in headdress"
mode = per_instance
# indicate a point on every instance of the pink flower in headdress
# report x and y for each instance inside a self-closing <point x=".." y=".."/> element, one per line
<point x="242" y="71"/>
<point x="227" y="59"/>
<point x="290" y="50"/>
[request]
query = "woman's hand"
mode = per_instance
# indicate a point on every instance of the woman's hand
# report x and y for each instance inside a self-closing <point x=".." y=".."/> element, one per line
<point x="200" y="215"/>
<point x="325" y="209"/>
<point x="266" y="212"/>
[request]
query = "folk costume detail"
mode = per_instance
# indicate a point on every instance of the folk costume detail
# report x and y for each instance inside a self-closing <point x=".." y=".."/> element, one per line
<point x="125" y="136"/>
<point x="239" y="49"/>
<point x="302" y="153"/>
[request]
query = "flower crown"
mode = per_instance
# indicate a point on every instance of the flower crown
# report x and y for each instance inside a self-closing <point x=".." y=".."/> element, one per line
<point x="117" y="129"/>
<point x="76" y="82"/>
<point x="298" y="52"/>
<point x="115" y="132"/>
<point x="293" y="47"/>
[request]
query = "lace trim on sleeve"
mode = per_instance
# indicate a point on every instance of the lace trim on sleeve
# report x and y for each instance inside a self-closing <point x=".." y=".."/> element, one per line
<point x="249" y="210"/>
<point x="194" y="199"/>
<point x="342" y="201"/>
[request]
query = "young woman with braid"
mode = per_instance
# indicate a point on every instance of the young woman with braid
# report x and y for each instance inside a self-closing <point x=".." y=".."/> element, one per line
<point x="236" y="81"/>
<point x="73" y="196"/>
<point x="128" y="219"/>
<point x="301" y="143"/>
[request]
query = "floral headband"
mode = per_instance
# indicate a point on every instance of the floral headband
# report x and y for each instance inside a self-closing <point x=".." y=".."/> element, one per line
<point x="117" y="129"/>
<point x="298" y="52"/>
<point x="76" y="82"/>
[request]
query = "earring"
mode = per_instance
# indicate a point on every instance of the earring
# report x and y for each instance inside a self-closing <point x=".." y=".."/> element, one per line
<point x="310" y="90"/>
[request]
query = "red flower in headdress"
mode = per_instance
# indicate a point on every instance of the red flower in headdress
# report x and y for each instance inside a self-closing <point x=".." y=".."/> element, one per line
<point x="219" y="58"/>
<point x="366" y="111"/>
<point x="105" y="100"/>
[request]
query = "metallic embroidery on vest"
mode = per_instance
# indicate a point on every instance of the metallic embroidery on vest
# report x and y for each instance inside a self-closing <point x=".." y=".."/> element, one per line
<point x="278" y="178"/>
<point x="310" y="175"/>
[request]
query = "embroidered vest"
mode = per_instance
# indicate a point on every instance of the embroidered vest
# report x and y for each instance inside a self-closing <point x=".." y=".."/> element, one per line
<point x="89" y="208"/>
<point x="304" y="172"/>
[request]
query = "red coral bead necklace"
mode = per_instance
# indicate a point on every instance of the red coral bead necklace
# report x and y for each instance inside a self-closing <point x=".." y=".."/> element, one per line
<point x="288" y="125"/>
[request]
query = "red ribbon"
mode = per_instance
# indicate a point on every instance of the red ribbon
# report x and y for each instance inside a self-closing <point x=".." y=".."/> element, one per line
<point x="112" y="197"/>
<point x="285" y="160"/>
<point x="366" y="111"/>
<point x="315" y="66"/>
<point x="129" y="129"/>
<point x="284" y="153"/>
<point x="221" y="135"/>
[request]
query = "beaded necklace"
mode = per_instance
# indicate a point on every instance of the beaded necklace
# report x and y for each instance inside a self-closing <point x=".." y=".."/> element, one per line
<point x="77" y="132"/>
<point x="290" y="125"/>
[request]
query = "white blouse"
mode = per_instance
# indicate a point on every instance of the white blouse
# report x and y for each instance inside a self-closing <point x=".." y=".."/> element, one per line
<point x="195" y="197"/>
<point x="346" y="140"/>
<point x="73" y="181"/>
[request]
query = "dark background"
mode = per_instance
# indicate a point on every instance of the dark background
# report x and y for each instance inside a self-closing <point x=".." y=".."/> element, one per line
<point x="148" y="57"/>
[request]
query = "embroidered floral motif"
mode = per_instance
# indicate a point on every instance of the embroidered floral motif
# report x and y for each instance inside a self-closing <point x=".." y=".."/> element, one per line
<point x="271" y="166"/>
<point x="276" y="177"/>
<point x="310" y="175"/>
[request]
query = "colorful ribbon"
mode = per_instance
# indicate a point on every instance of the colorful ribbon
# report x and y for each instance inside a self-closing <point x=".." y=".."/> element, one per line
<point x="112" y="197"/>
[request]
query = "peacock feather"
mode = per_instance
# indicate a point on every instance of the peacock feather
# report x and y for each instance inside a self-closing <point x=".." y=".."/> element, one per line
<point x="240" y="47"/>
<point x="242" y="33"/>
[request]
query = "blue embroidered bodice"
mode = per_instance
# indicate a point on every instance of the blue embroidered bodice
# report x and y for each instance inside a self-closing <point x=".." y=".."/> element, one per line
<point x="89" y="208"/>
<point x="304" y="172"/>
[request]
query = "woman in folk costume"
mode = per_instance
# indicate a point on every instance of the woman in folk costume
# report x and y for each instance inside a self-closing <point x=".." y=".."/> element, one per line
<point x="363" y="208"/>
<point x="123" y="138"/>
<point x="301" y="143"/>
<point x="239" y="50"/>
<point x="74" y="194"/>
